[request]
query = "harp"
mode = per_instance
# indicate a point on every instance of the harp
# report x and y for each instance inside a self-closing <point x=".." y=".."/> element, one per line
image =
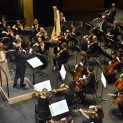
<point x="56" y="29"/>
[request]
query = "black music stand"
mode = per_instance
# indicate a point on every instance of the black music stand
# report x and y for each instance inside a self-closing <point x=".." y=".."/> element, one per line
<point x="103" y="83"/>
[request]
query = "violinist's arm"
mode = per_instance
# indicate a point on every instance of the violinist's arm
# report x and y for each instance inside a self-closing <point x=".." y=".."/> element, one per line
<point x="84" y="114"/>
<point x="118" y="59"/>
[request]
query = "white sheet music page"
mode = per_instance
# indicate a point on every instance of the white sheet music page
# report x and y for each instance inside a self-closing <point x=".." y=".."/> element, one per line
<point x="58" y="108"/>
<point x="103" y="79"/>
<point x="45" y="84"/>
<point x="35" y="62"/>
<point x="63" y="72"/>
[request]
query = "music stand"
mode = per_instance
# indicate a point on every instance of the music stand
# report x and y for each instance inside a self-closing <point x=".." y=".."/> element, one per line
<point x="103" y="79"/>
<point x="34" y="63"/>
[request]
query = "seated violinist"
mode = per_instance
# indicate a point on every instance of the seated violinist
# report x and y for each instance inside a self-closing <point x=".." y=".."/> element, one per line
<point x="42" y="33"/>
<point x="92" y="45"/>
<point x="17" y="40"/>
<point x="113" y="65"/>
<point x="43" y="103"/>
<point x="3" y="23"/>
<point x="61" y="57"/>
<point x="40" y="44"/>
<point x="96" y="116"/>
<point x="88" y="83"/>
<point x="80" y="68"/>
<point x="73" y="30"/>
<point x="67" y="91"/>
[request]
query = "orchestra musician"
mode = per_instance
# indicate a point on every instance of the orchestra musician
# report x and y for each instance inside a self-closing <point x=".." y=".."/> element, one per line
<point x="18" y="40"/>
<point x="111" y="12"/>
<point x="73" y="30"/>
<point x="40" y="44"/>
<point x="61" y="57"/>
<point x="42" y="33"/>
<point x="62" y="17"/>
<point x="96" y="117"/>
<point x="18" y="27"/>
<point x="20" y="59"/>
<point x="3" y="24"/>
<point x="4" y="65"/>
<point x="115" y="64"/>
<point x="68" y="92"/>
<point x="43" y="103"/>
<point x="114" y="31"/>
<point x="83" y="64"/>
<point x="88" y="83"/>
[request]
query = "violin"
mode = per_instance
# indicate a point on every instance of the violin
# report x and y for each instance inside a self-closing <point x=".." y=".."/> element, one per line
<point x="61" y="89"/>
<point x="87" y="111"/>
<point x="109" y="70"/>
<point x="61" y="51"/>
<point x="120" y="98"/>
<point x="20" y="26"/>
<point x="79" y="85"/>
<point x="78" y="72"/>
<point x="37" y="92"/>
<point x="36" y="27"/>
<point x="42" y="44"/>
<point x="119" y="84"/>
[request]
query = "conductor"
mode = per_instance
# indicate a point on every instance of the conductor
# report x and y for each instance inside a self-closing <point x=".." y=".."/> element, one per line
<point x="20" y="58"/>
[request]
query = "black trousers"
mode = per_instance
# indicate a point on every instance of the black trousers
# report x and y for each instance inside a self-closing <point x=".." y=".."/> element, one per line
<point x="20" y="75"/>
<point x="120" y="106"/>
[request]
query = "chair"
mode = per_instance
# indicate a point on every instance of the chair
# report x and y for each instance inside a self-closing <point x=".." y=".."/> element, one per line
<point x="74" y="104"/>
<point x="93" y="92"/>
<point x="42" y="116"/>
<point x="44" y="60"/>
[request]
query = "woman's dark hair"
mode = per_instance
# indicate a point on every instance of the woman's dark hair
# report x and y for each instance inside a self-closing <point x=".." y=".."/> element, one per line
<point x="69" y="119"/>
<point x="99" y="112"/>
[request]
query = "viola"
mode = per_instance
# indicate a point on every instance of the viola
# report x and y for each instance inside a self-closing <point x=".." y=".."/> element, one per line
<point x="119" y="84"/>
<point x="87" y="111"/>
<point x="78" y="72"/>
<point x="120" y="98"/>
<point x="109" y="70"/>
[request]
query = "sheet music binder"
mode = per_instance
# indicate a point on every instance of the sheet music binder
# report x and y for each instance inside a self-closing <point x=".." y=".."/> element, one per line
<point x="63" y="72"/>
<point x="58" y="108"/>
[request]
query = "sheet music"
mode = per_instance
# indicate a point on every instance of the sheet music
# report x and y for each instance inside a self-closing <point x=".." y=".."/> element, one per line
<point x="35" y="62"/>
<point x="103" y="79"/>
<point x="63" y="72"/>
<point x="40" y="86"/>
<point x="58" y="108"/>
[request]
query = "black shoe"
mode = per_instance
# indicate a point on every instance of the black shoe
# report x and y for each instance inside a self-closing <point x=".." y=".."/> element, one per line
<point x="23" y="85"/>
<point x="15" y="85"/>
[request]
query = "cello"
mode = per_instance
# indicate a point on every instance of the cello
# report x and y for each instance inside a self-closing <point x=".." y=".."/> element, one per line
<point x="120" y="98"/>
<point x="119" y="83"/>
<point x="109" y="70"/>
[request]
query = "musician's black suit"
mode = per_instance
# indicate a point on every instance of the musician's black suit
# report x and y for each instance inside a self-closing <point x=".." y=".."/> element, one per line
<point x="20" y="59"/>
<point x="112" y="12"/>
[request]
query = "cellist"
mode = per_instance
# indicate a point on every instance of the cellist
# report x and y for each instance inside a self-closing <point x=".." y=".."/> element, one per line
<point x="113" y="65"/>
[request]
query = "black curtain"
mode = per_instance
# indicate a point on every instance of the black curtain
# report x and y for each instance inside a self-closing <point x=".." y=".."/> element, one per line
<point x="43" y="11"/>
<point x="11" y="9"/>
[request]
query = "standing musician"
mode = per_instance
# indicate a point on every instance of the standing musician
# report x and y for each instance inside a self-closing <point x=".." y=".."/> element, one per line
<point x="67" y="91"/>
<point x="42" y="33"/>
<point x="80" y="68"/>
<point x="95" y="117"/>
<point x="43" y="103"/>
<point x="113" y="65"/>
<point x="20" y="59"/>
<point x="62" y="17"/>
<point x="61" y="57"/>
<point x="40" y="44"/>
<point x="88" y="83"/>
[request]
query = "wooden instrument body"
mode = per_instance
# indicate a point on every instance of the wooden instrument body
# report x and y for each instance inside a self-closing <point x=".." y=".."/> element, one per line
<point x="78" y="86"/>
<point x="87" y="111"/>
<point x="120" y="98"/>
<point x="119" y="84"/>
<point x="78" y="72"/>
<point x="109" y="70"/>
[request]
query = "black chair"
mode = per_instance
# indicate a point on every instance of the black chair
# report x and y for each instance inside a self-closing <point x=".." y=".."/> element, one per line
<point x="42" y="116"/>
<point x="93" y="91"/>
<point x="44" y="60"/>
<point x="10" y="55"/>
<point x="75" y="104"/>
